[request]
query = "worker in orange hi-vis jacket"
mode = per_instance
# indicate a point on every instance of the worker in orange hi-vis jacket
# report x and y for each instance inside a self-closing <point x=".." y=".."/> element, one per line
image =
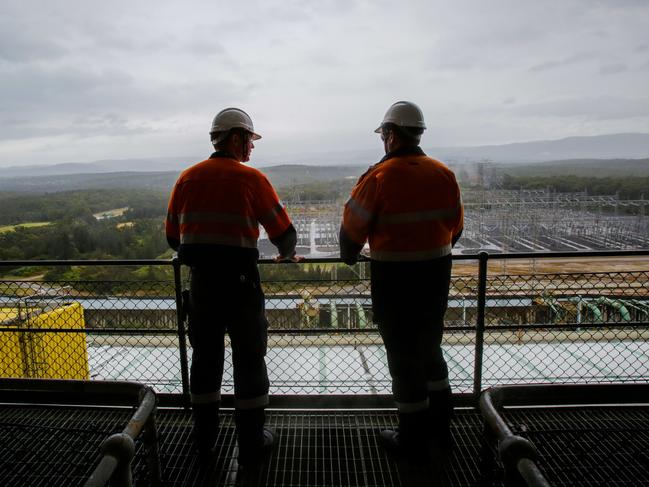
<point x="408" y="207"/>
<point x="213" y="220"/>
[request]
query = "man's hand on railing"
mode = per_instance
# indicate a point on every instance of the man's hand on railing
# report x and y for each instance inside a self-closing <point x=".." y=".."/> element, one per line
<point x="293" y="259"/>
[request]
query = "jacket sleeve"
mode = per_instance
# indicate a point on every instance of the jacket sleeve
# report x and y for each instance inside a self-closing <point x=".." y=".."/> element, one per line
<point x="458" y="224"/>
<point x="272" y="215"/>
<point x="359" y="216"/>
<point x="349" y="250"/>
<point x="172" y="224"/>
<point x="286" y="243"/>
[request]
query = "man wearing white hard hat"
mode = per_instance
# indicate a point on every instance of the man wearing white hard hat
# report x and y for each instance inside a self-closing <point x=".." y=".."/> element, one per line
<point x="408" y="208"/>
<point x="213" y="220"/>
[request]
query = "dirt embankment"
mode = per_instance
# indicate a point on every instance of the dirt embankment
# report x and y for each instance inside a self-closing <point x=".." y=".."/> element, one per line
<point x="555" y="266"/>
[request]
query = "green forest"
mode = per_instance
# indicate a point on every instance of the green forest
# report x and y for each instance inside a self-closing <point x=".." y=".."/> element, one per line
<point x="62" y="225"/>
<point x="68" y="229"/>
<point x="629" y="187"/>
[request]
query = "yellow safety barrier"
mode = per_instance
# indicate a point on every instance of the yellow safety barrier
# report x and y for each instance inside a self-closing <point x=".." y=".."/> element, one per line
<point x="43" y="354"/>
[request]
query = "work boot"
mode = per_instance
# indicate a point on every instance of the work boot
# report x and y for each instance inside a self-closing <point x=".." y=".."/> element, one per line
<point x="440" y="409"/>
<point x="411" y="439"/>
<point x="206" y="429"/>
<point x="255" y="441"/>
<point x="391" y="441"/>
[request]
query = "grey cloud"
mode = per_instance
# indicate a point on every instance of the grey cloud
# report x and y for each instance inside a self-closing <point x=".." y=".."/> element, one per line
<point x="595" y="108"/>
<point x="54" y="88"/>
<point x="290" y="13"/>
<point x="74" y="90"/>
<point x="620" y="4"/>
<point x="206" y="47"/>
<point x="458" y="63"/>
<point x="613" y="68"/>
<point x="104" y="35"/>
<point x="40" y="102"/>
<point x="110" y="125"/>
<point x="325" y="58"/>
<point x="569" y="61"/>
<point x="79" y="69"/>
<point x="327" y="7"/>
<point x="99" y="38"/>
<point x="26" y="45"/>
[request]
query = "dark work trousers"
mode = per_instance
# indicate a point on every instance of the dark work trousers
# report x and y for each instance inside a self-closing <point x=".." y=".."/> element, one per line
<point x="409" y="300"/>
<point x="228" y="300"/>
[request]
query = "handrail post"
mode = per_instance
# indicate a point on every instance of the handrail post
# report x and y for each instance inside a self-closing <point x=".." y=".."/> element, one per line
<point x="483" y="258"/>
<point x="182" y="343"/>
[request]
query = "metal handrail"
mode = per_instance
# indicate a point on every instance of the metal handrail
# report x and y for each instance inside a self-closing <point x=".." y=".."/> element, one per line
<point x="481" y="293"/>
<point x="519" y="455"/>
<point x="334" y="260"/>
<point x="117" y="450"/>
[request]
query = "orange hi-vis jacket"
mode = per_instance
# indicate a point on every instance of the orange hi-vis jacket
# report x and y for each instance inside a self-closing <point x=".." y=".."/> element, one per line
<point x="220" y="202"/>
<point x="408" y="206"/>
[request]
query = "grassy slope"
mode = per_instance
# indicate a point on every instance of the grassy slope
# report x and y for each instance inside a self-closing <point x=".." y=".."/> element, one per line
<point x="600" y="168"/>
<point x="9" y="228"/>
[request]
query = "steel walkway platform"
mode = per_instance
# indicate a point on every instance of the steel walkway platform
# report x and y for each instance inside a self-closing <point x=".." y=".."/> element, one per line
<point x="59" y="446"/>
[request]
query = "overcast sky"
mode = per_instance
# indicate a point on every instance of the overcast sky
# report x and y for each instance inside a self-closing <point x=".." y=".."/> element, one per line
<point x="87" y="80"/>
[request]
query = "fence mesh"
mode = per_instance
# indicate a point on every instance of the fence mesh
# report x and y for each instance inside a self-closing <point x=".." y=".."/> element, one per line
<point x="539" y="327"/>
<point x="567" y="327"/>
<point x="124" y="330"/>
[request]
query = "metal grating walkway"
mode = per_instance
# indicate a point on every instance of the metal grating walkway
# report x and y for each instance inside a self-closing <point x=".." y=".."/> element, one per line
<point x="607" y="446"/>
<point x="58" y="446"/>
<point x="53" y="446"/>
<point x="321" y="449"/>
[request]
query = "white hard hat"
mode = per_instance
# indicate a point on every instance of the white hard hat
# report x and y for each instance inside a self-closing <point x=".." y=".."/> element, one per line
<point x="403" y="114"/>
<point x="232" y="118"/>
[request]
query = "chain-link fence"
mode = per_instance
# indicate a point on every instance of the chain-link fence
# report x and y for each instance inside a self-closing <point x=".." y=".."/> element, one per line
<point x="567" y="327"/>
<point x="501" y="327"/>
<point x="92" y="329"/>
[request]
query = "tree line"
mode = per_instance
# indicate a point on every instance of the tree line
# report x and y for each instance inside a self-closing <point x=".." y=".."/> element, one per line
<point x="628" y="187"/>
<point x="72" y="205"/>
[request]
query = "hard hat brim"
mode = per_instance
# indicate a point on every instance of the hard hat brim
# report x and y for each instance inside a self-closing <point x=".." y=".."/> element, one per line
<point x="253" y="135"/>
<point x="378" y="130"/>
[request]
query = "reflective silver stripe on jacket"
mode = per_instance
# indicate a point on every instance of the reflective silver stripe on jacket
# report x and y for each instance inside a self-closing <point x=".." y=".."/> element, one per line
<point x="412" y="407"/>
<point x="438" y="385"/>
<point x="271" y="215"/>
<point x="253" y="403"/>
<point x="409" y="256"/>
<point x="216" y="238"/>
<point x="213" y="216"/>
<point x="358" y="209"/>
<point x="418" y="216"/>
<point x="206" y="398"/>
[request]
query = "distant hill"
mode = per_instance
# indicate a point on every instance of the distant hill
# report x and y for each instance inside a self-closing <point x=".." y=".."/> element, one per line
<point x="280" y="176"/>
<point x="120" y="180"/>
<point x="291" y="175"/>
<point x="287" y="176"/>
<point x="616" y="146"/>
<point x="580" y="167"/>
<point x="154" y="164"/>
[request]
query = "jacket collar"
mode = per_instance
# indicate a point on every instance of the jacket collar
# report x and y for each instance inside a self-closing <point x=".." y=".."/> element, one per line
<point x="404" y="151"/>
<point x="222" y="153"/>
